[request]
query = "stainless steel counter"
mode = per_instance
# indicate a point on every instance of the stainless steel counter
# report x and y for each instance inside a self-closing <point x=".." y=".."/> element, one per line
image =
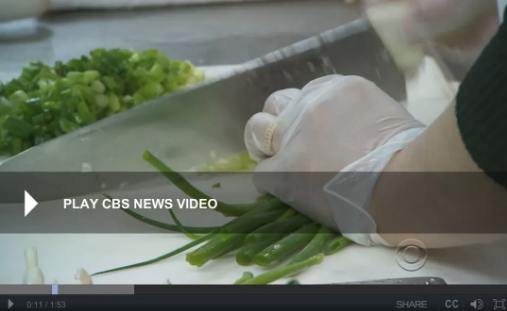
<point x="206" y="35"/>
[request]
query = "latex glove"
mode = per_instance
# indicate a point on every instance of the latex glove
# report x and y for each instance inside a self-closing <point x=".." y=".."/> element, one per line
<point x="303" y="138"/>
<point x="461" y="28"/>
<point x="19" y="9"/>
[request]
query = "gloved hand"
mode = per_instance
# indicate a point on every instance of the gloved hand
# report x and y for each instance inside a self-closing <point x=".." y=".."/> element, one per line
<point x="458" y="23"/>
<point x="19" y="9"/>
<point x="460" y="28"/>
<point x="303" y="138"/>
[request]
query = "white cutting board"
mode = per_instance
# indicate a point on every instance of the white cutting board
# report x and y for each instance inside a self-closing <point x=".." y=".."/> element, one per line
<point x="61" y="255"/>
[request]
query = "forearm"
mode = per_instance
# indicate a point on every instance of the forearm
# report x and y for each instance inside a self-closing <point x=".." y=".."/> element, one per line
<point x="433" y="191"/>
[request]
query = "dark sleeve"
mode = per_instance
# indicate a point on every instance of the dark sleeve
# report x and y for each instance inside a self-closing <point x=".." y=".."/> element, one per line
<point x="481" y="108"/>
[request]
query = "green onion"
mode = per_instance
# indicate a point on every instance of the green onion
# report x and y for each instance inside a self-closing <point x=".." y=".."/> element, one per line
<point x="285" y="246"/>
<point x="264" y="198"/>
<point x="245" y="256"/>
<point x="284" y="271"/>
<point x="265" y="233"/>
<point x="246" y="276"/>
<point x="16" y="145"/>
<point x="17" y="127"/>
<point x="283" y="226"/>
<point x="212" y="249"/>
<point x="18" y="97"/>
<point x="336" y="245"/>
<point x="227" y="251"/>
<point x="90" y="76"/>
<point x="5" y="106"/>
<point x="98" y="87"/>
<point x="67" y="126"/>
<point x="219" y="246"/>
<point x="252" y="220"/>
<point x="160" y="258"/>
<point x="101" y="101"/>
<point x="293" y="282"/>
<point x="316" y="245"/>
<point x="114" y="102"/>
<point x="188" y="189"/>
<point x="181" y="227"/>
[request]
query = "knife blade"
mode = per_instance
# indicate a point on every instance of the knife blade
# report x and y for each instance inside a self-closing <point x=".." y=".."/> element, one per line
<point x="182" y="128"/>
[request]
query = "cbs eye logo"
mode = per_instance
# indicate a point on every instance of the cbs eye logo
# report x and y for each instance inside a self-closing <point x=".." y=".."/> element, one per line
<point x="411" y="255"/>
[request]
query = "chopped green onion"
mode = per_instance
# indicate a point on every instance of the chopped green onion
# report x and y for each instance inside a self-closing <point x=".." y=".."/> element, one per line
<point x="98" y="87"/>
<point x="18" y="97"/>
<point x="106" y="81"/>
<point x="101" y="100"/>
<point x="114" y="102"/>
<point x="17" y="127"/>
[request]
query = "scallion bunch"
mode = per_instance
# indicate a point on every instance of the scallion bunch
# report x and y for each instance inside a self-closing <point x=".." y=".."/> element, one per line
<point x="267" y="233"/>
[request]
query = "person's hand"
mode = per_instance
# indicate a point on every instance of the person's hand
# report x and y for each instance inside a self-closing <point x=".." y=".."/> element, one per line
<point x="454" y="23"/>
<point x="303" y="138"/>
<point x="19" y="9"/>
<point x="459" y="28"/>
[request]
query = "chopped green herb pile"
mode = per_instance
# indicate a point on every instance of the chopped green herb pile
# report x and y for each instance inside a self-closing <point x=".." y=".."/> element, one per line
<point x="46" y="102"/>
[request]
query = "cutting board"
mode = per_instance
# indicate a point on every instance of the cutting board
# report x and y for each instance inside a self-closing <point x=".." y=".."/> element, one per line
<point x="61" y="255"/>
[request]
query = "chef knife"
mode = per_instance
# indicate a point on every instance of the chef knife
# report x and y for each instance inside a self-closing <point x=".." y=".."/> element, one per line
<point x="183" y="128"/>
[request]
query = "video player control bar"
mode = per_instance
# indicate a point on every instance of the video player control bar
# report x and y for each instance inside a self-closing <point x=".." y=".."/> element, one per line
<point x="336" y="302"/>
<point x="450" y="291"/>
